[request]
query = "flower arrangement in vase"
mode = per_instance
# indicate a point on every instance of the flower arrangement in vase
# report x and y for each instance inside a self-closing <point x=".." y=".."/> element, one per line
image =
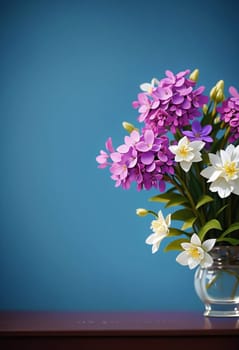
<point x="188" y="151"/>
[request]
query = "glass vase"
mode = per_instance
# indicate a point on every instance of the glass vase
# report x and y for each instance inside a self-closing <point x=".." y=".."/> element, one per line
<point x="218" y="285"/>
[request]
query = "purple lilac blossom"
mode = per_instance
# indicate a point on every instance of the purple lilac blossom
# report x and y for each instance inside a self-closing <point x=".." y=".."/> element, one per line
<point x="198" y="132"/>
<point x="230" y="113"/>
<point x="172" y="104"/>
<point x="144" y="159"/>
<point x="103" y="157"/>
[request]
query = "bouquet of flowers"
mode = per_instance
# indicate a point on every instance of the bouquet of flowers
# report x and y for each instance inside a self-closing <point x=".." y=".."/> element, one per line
<point x="188" y="150"/>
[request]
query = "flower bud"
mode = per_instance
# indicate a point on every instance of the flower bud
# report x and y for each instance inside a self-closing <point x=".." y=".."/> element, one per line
<point x="142" y="212"/>
<point x="194" y="75"/>
<point x="219" y="96"/>
<point x="220" y="85"/>
<point x="217" y="120"/>
<point x="205" y="109"/>
<point x="213" y="93"/>
<point x="128" y="127"/>
<point x="216" y="93"/>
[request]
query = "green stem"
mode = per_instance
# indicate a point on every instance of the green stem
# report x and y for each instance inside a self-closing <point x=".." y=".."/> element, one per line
<point x="226" y="135"/>
<point x="203" y="184"/>
<point x="190" y="198"/>
<point x="184" y="193"/>
<point x="213" y="280"/>
<point x="219" y="274"/>
<point x="153" y="213"/>
<point x="229" y="211"/>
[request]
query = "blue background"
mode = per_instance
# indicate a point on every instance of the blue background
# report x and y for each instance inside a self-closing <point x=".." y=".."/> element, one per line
<point x="69" y="72"/>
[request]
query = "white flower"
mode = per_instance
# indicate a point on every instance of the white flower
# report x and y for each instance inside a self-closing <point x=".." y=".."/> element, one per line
<point x="148" y="87"/>
<point x="187" y="152"/>
<point x="160" y="227"/>
<point x="224" y="171"/>
<point x="196" y="253"/>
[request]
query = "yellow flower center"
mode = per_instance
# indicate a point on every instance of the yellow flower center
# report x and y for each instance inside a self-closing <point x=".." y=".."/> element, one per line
<point x="159" y="226"/>
<point x="194" y="252"/>
<point x="183" y="151"/>
<point x="230" y="169"/>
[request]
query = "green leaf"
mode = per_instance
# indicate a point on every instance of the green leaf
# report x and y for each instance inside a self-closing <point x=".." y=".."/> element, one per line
<point x="175" y="232"/>
<point x="163" y="197"/>
<point x="159" y="198"/>
<point x="175" y="200"/>
<point x="221" y="209"/>
<point x="186" y="216"/>
<point x="217" y="143"/>
<point x="233" y="227"/>
<point x="188" y="223"/>
<point x="232" y="241"/>
<point x="182" y="214"/>
<point x="210" y="225"/>
<point x="204" y="200"/>
<point x="170" y="198"/>
<point x="176" y="245"/>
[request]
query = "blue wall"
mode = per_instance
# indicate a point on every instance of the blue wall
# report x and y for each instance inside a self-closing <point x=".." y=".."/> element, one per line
<point x="69" y="72"/>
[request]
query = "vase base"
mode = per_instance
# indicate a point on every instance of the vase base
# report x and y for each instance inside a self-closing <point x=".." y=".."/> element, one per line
<point x="221" y="313"/>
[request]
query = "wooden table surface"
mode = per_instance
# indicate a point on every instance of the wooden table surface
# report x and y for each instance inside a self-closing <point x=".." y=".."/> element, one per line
<point x="115" y="330"/>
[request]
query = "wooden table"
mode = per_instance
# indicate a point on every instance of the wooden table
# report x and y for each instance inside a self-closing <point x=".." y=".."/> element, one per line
<point x="116" y="330"/>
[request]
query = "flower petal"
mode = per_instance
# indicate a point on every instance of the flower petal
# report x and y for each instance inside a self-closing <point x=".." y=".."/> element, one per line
<point x="195" y="240"/>
<point x="196" y="127"/>
<point x="185" y="166"/>
<point x="149" y="137"/>
<point x="206" y="261"/>
<point x="186" y="245"/>
<point x="145" y="87"/>
<point x="147" y="158"/>
<point x="155" y="247"/>
<point x="182" y="258"/>
<point x="192" y="263"/>
<point x="208" y="244"/>
<point x="152" y="239"/>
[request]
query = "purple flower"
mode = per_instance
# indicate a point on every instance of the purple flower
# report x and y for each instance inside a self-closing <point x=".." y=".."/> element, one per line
<point x="199" y="133"/>
<point x="144" y="159"/>
<point x="102" y="158"/>
<point x="144" y="105"/>
<point x="230" y="113"/>
<point x="130" y="141"/>
<point x="172" y="104"/>
<point x="148" y="142"/>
